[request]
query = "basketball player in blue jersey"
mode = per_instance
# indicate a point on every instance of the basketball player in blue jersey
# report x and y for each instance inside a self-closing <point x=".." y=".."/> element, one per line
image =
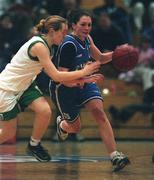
<point x="77" y="50"/>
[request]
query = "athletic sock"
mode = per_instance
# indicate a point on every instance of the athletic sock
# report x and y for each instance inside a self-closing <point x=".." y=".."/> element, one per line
<point x="61" y="127"/>
<point x="113" y="154"/>
<point x="34" y="142"/>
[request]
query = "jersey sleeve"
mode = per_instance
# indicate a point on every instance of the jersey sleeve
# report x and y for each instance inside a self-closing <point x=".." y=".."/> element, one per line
<point x="67" y="55"/>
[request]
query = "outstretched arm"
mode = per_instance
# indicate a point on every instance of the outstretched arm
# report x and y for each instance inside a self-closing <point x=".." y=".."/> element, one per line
<point x="94" y="78"/>
<point x="39" y="50"/>
<point x="103" y="58"/>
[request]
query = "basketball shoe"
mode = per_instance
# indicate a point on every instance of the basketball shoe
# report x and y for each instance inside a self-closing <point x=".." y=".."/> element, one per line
<point x="38" y="152"/>
<point x="119" y="161"/>
<point x="62" y="135"/>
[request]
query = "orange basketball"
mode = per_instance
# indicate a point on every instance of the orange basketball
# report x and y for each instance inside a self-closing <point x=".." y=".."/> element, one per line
<point x="125" y="57"/>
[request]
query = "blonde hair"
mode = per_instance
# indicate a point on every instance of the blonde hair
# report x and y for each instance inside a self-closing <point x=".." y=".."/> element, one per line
<point x="44" y="25"/>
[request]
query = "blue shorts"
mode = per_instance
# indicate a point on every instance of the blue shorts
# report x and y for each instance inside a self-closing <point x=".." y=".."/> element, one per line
<point x="70" y="100"/>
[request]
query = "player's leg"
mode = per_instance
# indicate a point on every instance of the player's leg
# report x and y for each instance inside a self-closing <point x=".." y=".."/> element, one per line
<point x="65" y="127"/>
<point x="33" y="98"/>
<point x="95" y="106"/>
<point x="40" y="125"/>
<point x="8" y="115"/>
<point x="7" y="129"/>
<point x="42" y="117"/>
<point x="65" y="100"/>
<point x="69" y="120"/>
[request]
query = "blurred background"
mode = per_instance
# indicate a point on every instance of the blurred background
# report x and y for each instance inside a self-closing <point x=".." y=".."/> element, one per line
<point x="129" y="96"/>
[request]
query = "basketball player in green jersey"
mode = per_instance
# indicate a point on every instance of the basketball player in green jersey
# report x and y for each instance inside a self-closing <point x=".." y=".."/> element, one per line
<point x="18" y="89"/>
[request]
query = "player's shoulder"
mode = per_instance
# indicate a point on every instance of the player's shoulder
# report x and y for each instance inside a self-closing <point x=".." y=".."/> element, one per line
<point x="68" y="42"/>
<point x="36" y="38"/>
<point x="36" y="41"/>
<point x="69" y="39"/>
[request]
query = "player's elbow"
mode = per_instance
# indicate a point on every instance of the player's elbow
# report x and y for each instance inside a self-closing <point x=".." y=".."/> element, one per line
<point x="58" y="77"/>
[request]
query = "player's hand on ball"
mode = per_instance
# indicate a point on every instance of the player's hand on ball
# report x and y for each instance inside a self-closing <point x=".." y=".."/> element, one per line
<point x="125" y="57"/>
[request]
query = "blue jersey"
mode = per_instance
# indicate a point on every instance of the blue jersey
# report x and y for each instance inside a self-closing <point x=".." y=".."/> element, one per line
<point x="81" y="53"/>
<point x="72" y="54"/>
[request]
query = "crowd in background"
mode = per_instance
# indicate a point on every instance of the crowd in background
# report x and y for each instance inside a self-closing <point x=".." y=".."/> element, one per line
<point x="113" y="25"/>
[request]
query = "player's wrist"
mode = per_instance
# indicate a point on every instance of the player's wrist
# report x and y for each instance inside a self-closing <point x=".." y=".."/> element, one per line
<point x="82" y="72"/>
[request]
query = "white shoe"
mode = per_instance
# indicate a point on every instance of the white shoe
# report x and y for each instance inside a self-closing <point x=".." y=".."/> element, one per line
<point x="62" y="136"/>
<point x="119" y="161"/>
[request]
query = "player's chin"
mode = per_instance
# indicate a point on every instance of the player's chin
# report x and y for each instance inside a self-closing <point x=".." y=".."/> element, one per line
<point x="85" y="35"/>
<point x="58" y="41"/>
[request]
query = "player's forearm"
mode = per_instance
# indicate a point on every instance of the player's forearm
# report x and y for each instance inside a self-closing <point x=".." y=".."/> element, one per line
<point x="106" y="57"/>
<point x="74" y="81"/>
<point x="61" y="76"/>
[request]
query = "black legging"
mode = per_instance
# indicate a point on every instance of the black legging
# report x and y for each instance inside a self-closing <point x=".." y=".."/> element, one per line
<point x="128" y="111"/>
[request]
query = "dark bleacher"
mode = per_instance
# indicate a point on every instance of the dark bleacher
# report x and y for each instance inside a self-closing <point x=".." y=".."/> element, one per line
<point x="138" y="127"/>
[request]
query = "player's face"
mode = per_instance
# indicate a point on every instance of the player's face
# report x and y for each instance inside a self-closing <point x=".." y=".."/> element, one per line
<point x="60" y="34"/>
<point x="83" y="27"/>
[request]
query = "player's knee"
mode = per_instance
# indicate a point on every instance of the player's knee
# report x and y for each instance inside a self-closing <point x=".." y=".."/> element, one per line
<point x="8" y="133"/>
<point x="99" y="115"/>
<point x="98" y="112"/>
<point x="44" y="111"/>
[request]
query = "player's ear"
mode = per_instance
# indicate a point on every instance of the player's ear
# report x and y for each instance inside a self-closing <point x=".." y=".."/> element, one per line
<point x="73" y="25"/>
<point x="51" y="31"/>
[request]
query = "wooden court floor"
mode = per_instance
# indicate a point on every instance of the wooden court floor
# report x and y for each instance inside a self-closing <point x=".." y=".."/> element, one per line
<point x="76" y="161"/>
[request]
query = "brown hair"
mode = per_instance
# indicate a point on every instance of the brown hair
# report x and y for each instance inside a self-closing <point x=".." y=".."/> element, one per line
<point x="44" y="25"/>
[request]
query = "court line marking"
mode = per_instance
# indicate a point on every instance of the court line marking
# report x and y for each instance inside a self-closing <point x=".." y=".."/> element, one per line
<point x="8" y="158"/>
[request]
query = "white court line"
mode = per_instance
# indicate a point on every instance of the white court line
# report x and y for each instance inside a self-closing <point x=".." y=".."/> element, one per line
<point x="7" y="158"/>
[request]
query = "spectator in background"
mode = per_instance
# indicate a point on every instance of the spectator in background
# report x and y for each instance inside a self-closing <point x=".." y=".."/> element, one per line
<point x="13" y="32"/>
<point x="142" y="20"/>
<point x="125" y="113"/>
<point x="68" y="6"/>
<point x="151" y="11"/>
<point x="6" y="28"/>
<point x="20" y="13"/>
<point x="53" y="7"/>
<point x="4" y="5"/>
<point x="149" y="30"/>
<point x="138" y="11"/>
<point x="146" y="56"/>
<point x="146" y="52"/>
<point x="118" y="15"/>
<point x="36" y="9"/>
<point x="148" y="8"/>
<point x="107" y="36"/>
<point x="138" y="21"/>
<point x="144" y="2"/>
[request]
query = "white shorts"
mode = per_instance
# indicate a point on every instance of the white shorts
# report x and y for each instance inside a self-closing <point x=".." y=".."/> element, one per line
<point x="8" y="100"/>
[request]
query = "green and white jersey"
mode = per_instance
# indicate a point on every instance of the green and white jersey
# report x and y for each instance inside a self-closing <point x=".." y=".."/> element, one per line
<point x="23" y="68"/>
